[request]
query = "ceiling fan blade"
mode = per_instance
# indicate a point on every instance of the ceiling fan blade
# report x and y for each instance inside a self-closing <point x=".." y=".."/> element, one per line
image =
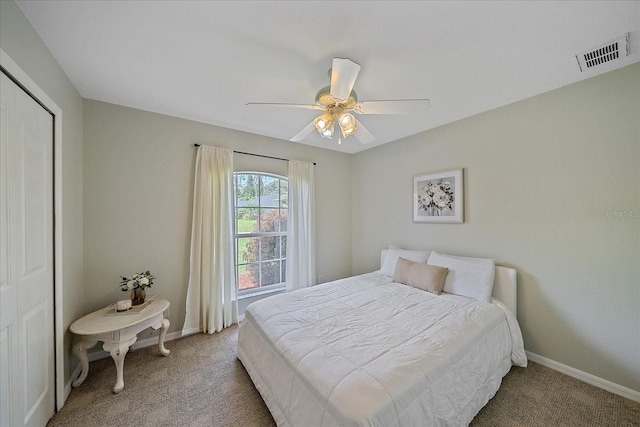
<point x="343" y="76"/>
<point x="303" y="133"/>
<point x="393" y="106"/>
<point x="275" y="104"/>
<point x="363" y="134"/>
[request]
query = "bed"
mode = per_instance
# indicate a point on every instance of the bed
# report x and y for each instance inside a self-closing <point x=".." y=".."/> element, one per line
<point x="368" y="351"/>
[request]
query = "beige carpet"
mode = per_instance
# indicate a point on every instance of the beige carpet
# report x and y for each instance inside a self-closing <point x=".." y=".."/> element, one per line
<point x="201" y="383"/>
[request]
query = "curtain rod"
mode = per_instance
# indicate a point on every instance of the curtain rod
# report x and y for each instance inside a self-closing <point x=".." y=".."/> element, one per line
<point x="257" y="155"/>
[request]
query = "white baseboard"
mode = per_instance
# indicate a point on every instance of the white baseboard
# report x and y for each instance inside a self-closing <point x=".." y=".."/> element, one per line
<point x="67" y="386"/>
<point x="191" y="331"/>
<point x="585" y="377"/>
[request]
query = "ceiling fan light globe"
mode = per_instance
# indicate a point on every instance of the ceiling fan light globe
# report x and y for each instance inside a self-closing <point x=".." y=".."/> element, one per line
<point x="347" y="124"/>
<point x="347" y="120"/>
<point x="323" y="123"/>
<point x="347" y="131"/>
<point x="327" y="133"/>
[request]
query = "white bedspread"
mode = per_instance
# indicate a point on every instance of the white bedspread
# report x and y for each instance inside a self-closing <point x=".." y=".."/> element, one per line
<point x="365" y="351"/>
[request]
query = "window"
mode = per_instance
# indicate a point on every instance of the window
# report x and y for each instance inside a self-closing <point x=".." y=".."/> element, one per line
<point x="261" y="231"/>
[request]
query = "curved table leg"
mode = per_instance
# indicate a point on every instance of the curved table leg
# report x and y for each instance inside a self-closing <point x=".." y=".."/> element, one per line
<point x="118" y="351"/>
<point x="80" y="350"/>
<point x="163" y="325"/>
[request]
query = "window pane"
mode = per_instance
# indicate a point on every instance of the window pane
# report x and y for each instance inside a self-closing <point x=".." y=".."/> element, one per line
<point x="269" y="192"/>
<point x="248" y="277"/>
<point x="270" y="273"/>
<point x="269" y="248"/>
<point x="246" y="220"/>
<point x="248" y="250"/>
<point x="283" y="219"/>
<point x="284" y="270"/>
<point x="284" y="193"/>
<point x="247" y="189"/>
<point x="283" y="246"/>
<point x="269" y="220"/>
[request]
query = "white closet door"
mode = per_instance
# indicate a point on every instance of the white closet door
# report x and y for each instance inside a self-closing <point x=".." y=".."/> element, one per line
<point x="27" y="363"/>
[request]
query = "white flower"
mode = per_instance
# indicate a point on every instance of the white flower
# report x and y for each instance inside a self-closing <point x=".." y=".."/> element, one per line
<point x="136" y="280"/>
<point x="441" y="199"/>
<point x="423" y="201"/>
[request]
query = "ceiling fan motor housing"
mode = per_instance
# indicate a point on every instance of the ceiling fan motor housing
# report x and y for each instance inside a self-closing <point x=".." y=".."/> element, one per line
<point x="325" y="100"/>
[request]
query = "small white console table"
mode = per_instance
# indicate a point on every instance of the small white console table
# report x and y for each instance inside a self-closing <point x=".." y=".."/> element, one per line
<point x="118" y="332"/>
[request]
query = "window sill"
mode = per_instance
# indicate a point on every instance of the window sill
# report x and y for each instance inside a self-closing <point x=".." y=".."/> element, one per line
<point x="261" y="293"/>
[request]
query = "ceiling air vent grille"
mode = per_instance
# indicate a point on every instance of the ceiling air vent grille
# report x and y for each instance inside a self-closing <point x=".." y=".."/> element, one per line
<point x="611" y="51"/>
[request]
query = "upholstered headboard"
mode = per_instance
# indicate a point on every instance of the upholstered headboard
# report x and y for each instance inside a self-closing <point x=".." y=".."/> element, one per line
<point x="504" y="285"/>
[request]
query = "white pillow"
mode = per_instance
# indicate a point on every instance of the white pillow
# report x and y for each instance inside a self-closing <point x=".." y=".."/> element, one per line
<point x="393" y="253"/>
<point x="469" y="277"/>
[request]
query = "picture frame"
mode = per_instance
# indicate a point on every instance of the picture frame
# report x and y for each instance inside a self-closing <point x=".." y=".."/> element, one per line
<point x="439" y="197"/>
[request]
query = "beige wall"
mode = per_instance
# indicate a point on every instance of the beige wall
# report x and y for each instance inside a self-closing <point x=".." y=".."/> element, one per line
<point x="138" y="193"/>
<point x="20" y="41"/>
<point x="552" y="189"/>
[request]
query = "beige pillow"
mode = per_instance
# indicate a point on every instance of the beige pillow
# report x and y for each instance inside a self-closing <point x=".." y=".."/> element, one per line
<point x="429" y="278"/>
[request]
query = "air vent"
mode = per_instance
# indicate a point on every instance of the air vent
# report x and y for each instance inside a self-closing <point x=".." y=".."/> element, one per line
<point x="611" y="51"/>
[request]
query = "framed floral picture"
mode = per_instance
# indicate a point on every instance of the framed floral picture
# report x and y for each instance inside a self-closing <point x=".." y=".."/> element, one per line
<point x="438" y="197"/>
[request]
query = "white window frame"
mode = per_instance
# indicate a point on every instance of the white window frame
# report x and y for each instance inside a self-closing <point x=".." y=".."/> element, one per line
<point x="262" y="289"/>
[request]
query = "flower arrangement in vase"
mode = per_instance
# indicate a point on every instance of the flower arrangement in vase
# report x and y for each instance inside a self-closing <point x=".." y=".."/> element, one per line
<point x="436" y="196"/>
<point x="137" y="284"/>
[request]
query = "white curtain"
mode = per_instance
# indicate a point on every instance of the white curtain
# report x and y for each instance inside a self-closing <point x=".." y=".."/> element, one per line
<point x="212" y="302"/>
<point x="301" y="227"/>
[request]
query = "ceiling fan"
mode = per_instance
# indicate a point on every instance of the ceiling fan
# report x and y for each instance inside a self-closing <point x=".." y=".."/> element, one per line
<point x="338" y="101"/>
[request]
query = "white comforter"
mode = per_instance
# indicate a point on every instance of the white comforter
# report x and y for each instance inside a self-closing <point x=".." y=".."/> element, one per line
<point x="365" y="351"/>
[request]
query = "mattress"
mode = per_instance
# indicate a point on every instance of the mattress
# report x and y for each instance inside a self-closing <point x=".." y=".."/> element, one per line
<point x="366" y="351"/>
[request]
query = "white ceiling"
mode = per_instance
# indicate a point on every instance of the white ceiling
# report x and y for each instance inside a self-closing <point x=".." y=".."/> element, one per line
<point x="204" y="60"/>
